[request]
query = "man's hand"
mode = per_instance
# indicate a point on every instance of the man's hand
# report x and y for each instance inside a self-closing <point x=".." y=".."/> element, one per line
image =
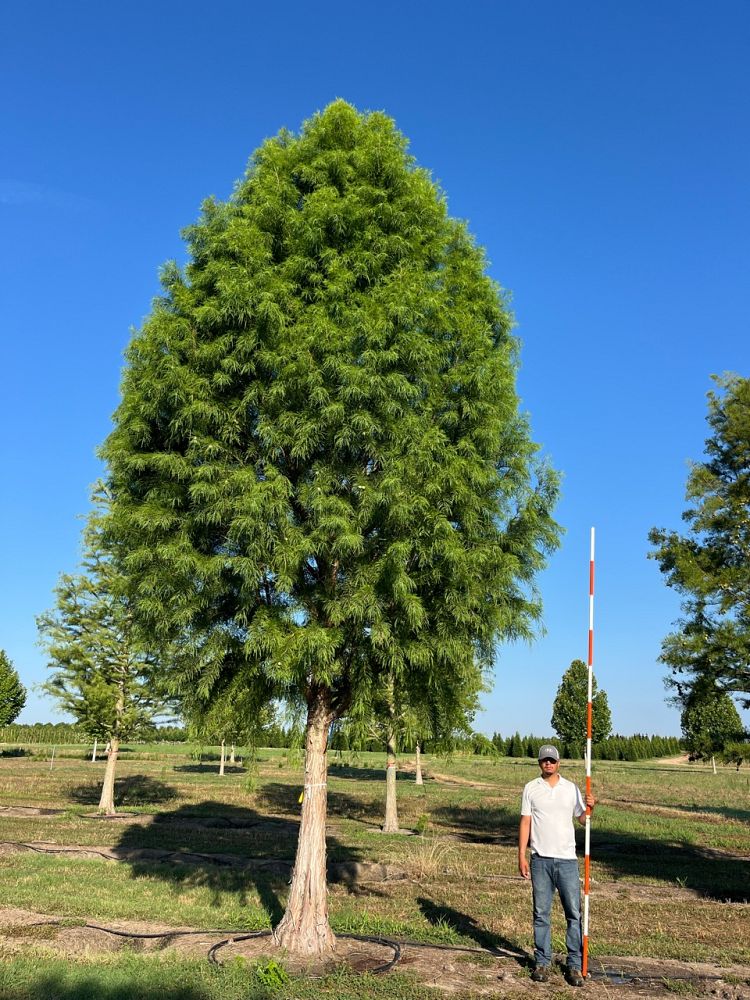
<point x="590" y="801"/>
<point x="523" y="867"/>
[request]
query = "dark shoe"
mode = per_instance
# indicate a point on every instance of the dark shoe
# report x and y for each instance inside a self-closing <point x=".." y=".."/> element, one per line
<point x="540" y="974"/>
<point x="574" y="977"/>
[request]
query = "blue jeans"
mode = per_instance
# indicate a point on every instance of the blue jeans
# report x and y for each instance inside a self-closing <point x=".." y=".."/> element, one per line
<point x="548" y="874"/>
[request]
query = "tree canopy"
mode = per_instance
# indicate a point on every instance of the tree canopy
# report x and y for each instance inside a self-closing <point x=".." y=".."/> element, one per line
<point x="321" y="475"/>
<point x="710" y="564"/>
<point x="570" y="708"/>
<point x="12" y="691"/>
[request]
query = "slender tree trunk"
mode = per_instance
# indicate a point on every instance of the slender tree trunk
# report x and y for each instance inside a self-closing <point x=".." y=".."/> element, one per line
<point x="231" y="755"/>
<point x="93" y="755"/>
<point x="391" y="806"/>
<point x="713" y="763"/>
<point x="223" y="757"/>
<point x="418" y="779"/>
<point x="107" y="800"/>
<point x="304" y="928"/>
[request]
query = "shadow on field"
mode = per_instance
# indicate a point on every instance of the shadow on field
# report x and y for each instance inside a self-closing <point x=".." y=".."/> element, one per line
<point x="114" y="984"/>
<point x="224" y="849"/>
<point x="132" y="790"/>
<point x="439" y="915"/>
<point x="479" y="824"/>
<point x="711" y="874"/>
<point x="367" y="773"/>
<point x="279" y="797"/>
<point x="206" y="768"/>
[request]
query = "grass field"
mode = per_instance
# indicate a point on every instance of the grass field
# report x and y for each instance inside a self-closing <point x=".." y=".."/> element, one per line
<point x="670" y="867"/>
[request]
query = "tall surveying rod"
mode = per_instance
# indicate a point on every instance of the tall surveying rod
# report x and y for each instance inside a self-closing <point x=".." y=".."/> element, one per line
<point x="587" y="854"/>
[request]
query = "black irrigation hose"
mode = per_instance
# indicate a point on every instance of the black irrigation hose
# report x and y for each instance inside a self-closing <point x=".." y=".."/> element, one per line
<point x="55" y="850"/>
<point x="603" y="974"/>
<point x="378" y="970"/>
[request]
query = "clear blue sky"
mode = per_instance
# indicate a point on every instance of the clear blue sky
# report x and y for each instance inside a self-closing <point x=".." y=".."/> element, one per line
<point x="600" y="151"/>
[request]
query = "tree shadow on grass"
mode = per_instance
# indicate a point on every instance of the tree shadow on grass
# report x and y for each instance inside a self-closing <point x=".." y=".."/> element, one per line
<point x="712" y="874"/>
<point x="225" y="849"/>
<point x="367" y="773"/>
<point x="131" y="790"/>
<point x="277" y="797"/>
<point x="73" y="983"/>
<point x="439" y="915"/>
<point x="208" y="768"/>
<point x="479" y="824"/>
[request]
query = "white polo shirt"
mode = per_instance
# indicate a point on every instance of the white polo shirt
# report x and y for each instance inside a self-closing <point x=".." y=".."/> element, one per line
<point x="552" y="810"/>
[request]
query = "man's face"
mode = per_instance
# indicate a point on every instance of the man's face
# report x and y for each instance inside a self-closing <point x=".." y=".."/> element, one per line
<point x="549" y="767"/>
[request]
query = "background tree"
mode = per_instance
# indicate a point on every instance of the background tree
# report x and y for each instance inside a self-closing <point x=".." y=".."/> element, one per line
<point x="710" y="722"/>
<point x="394" y="719"/>
<point x="569" y="709"/>
<point x="710" y="564"/>
<point x="101" y="670"/>
<point x="12" y="691"/>
<point x="321" y="475"/>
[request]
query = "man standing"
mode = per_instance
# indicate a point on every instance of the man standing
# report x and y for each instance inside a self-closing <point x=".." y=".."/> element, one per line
<point x="548" y="806"/>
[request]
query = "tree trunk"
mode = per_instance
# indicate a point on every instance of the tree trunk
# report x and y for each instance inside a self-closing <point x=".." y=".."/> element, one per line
<point x="223" y="757"/>
<point x="713" y="763"/>
<point x="107" y="800"/>
<point x="418" y="779"/>
<point x="304" y="928"/>
<point x="391" y="806"/>
<point x="93" y="755"/>
<point x="231" y="755"/>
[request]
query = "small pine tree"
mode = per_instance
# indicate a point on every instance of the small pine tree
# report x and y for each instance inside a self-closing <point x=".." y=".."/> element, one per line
<point x="12" y="691"/>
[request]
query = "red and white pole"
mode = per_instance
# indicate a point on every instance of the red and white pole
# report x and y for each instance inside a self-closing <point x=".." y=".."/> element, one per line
<point x="587" y="852"/>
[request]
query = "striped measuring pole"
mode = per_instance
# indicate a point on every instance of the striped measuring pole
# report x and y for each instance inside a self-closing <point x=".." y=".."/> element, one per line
<point x="587" y="852"/>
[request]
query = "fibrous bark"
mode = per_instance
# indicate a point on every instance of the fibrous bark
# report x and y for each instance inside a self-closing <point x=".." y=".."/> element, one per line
<point x="304" y="928"/>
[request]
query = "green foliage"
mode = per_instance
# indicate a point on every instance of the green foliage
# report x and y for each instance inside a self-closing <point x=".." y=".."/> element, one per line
<point x="710" y="565"/>
<point x="423" y="824"/>
<point x="101" y="671"/>
<point x="12" y="691"/>
<point x="320" y="472"/>
<point x="736" y="753"/>
<point x="569" y="709"/>
<point x="47" y="733"/>
<point x="271" y="974"/>
<point x="709" y="722"/>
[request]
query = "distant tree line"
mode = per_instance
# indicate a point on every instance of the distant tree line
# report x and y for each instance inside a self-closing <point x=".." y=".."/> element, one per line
<point x="637" y="747"/>
<point x="60" y="733"/>
<point x="52" y="733"/>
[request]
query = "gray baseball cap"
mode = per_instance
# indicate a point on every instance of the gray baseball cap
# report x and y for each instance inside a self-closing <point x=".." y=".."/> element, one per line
<point x="548" y="751"/>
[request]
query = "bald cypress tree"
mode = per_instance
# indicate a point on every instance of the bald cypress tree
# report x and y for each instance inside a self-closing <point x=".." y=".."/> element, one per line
<point x="709" y="565"/>
<point x="321" y="476"/>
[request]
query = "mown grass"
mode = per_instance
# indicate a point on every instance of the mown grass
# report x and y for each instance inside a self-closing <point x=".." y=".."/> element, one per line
<point x="657" y="825"/>
<point x="127" y="977"/>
